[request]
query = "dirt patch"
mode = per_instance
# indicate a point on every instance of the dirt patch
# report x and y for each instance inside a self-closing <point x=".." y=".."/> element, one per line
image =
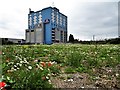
<point x="76" y="80"/>
<point x="103" y="77"/>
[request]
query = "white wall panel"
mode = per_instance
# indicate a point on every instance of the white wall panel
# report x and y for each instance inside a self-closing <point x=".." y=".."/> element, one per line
<point x="32" y="37"/>
<point x="39" y="35"/>
<point x="57" y="35"/>
<point x="27" y="37"/>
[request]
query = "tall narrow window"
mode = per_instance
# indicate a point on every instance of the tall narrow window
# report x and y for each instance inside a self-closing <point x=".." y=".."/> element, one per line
<point x="34" y="19"/>
<point x="40" y="18"/>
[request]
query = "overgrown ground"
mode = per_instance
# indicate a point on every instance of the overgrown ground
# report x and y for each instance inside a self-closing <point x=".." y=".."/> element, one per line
<point x="61" y="66"/>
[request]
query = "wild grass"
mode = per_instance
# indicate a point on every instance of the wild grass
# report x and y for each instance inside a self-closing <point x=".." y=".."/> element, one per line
<point x="76" y="57"/>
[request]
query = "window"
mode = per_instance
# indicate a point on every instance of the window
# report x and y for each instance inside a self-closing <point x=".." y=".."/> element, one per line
<point x="30" y="21"/>
<point x="35" y="20"/>
<point x="53" y="16"/>
<point x="40" y="18"/>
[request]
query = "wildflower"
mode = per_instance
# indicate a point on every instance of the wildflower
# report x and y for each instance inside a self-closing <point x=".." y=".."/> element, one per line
<point x="21" y="62"/>
<point x="48" y="74"/>
<point x="54" y="62"/>
<point x="47" y="77"/>
<point x="37" y="66"/>
<point x="103" y="57"/>
<point x="95" y="52"/>
<point x="107" y="54"/>
<point x="18" y="68"/>
<point x="2" y="85"/>
<point x="111" y="57"/>
<point x="29" y="67"/>
<point x="45" y="50"/>
<point x="8" y="78"/>
<point x="3" y="53"/>
<point x="82" y="87"/>
<point x="43" y="64"/>
<point x="49" y="64"/>
<point x="9" y="71"/>
<point x="12" y="68"/>
<point x="20" y="65"/>
<point x="49" y="81"/>
<point x="35" y="60"/>
<point x="97" y="77"/>
<point x="15" y="66"/>
<point x="109" y="71"/>
<point x="17" y="63"/>
<point x="70" y="80"/>
<point x="117" y="74"/>
<point x="25" y="61"/>
<point x="15" y="69"/>
<point x="41" y="68"/>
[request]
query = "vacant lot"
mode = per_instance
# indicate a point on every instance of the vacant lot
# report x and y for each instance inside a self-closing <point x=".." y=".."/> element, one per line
<point x="61" y="66"/>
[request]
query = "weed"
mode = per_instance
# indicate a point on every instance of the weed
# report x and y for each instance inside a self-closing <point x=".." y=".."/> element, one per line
<point x="69" y="70"/>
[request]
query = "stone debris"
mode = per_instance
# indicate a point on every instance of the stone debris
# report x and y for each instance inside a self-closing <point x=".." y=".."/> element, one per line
<point x="104" y="78"/>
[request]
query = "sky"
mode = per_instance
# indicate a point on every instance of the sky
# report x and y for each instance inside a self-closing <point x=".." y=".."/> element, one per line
<point x="86" y="18"/>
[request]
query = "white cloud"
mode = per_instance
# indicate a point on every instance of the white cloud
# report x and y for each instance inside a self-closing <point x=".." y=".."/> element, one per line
<point x="83" y="19"/>
<point x="95" y="18"/>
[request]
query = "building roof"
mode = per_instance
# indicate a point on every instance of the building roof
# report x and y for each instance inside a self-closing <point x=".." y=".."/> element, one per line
<point x="45" y="9"/>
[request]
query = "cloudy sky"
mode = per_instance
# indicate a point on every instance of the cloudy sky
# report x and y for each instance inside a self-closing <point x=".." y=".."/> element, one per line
<point x="85" y="17"/>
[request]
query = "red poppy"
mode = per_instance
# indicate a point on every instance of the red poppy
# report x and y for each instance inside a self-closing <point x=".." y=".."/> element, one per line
<point x="43" y="64"/>
<point x="2" y="85"/>
<point x="49" y="64"/>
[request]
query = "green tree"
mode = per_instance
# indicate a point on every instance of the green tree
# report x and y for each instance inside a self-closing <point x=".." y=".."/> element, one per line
<point x="71" y="38"/>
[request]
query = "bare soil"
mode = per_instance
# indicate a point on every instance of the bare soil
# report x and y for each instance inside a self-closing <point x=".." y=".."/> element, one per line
<point x="104" y="77"/>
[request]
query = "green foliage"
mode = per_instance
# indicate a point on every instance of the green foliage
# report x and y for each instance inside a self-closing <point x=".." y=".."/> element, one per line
<point x="71" y="38"/>
<point x="17" y="62"/>
<point x="55" y="69"/>
<point x="81" y="68"/>
<point x="74" y="59"/>
<point x="69" y="70"/>
<point x="31" y="79"/>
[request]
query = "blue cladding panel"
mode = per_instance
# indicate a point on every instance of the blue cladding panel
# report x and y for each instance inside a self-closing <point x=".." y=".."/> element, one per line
<point x="46" y="14"/>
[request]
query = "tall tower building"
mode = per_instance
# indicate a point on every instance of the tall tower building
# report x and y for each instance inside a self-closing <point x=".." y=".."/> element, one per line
<point x="46" y="26"/>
